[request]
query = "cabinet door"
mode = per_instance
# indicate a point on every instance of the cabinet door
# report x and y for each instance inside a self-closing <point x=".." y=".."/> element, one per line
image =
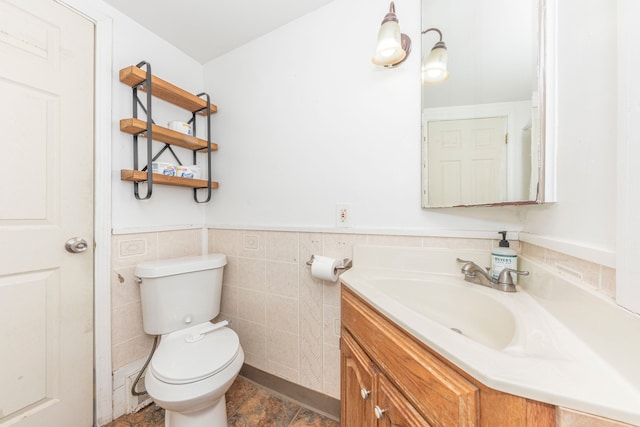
<point x="356" y="386"/>
<point x="393" y="409"/>
<point x="436" y="391"/>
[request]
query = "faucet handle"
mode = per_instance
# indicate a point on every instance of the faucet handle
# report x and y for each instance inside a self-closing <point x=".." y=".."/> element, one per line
<point x="505" y="277"/>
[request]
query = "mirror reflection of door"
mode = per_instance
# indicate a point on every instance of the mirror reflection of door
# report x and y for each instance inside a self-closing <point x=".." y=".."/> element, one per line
<point x="496" y="65"/>
<point x="467" y="161"/>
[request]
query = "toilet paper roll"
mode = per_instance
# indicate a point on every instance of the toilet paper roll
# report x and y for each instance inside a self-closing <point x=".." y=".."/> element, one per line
<point x="325" y="268"/>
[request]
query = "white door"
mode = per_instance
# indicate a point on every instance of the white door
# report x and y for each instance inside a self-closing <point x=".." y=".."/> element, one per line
<point x="467" y="161"/>
<point x="46" y="198"/>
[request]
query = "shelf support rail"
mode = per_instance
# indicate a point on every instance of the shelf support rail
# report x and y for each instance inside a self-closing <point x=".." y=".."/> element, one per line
<point x="162" y="150"/>
<point x="193" y="121"/>
<point x="149" y="135"/>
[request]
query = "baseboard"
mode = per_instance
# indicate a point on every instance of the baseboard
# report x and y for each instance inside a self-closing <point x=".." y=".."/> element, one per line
<point x="312" y="399"/>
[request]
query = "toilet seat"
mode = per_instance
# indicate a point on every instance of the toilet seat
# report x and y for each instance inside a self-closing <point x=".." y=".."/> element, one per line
<point x="181" y="360"/>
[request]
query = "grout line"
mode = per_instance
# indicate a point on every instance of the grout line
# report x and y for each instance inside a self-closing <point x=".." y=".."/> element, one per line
<point x="295" y="416"/>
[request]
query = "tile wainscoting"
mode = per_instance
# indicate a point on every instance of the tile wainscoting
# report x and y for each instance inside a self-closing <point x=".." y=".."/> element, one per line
<point x="129" y="343"/>
<point x="597" y="277"/>
<point x="288" y="322"/>
<point x="130" y="346"/>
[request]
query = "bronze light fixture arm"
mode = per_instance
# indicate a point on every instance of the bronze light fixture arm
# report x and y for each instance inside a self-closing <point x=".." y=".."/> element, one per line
<point x="439" y="43"/>
<point x="433" y="29"/>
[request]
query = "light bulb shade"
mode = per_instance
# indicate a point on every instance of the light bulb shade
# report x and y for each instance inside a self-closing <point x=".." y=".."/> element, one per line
<point x="389" y="49"/>
<point x="434" y="69"/>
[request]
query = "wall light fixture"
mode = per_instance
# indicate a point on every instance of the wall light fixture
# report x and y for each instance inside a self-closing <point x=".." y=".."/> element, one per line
<point x="434" y="68"/>
<point x="393" y="46"/>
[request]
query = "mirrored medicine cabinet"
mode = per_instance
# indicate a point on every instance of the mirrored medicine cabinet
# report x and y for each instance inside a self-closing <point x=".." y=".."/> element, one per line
<point x="487" y="131"/>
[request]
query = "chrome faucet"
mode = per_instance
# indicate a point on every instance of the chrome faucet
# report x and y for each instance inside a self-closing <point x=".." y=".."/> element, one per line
<point x="475" y="274"/>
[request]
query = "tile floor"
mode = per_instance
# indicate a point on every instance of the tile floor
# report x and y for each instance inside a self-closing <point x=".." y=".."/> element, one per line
<point x="248" y="405"/>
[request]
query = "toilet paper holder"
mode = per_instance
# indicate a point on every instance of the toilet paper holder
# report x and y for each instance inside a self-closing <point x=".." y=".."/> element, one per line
<point x="344" y="265"/>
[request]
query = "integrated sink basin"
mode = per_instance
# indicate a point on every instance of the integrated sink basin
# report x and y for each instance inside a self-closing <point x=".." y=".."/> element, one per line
<point x="455" y="306"/>
<point x="551" y="341"/>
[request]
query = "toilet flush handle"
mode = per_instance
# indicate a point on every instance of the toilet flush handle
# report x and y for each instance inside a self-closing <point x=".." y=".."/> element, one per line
<point x="199" y="333"/>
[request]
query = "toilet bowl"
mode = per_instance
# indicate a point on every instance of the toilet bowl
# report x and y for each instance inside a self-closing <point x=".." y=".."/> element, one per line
<point x="196" y="361"/>
<point x="189" y="378"/>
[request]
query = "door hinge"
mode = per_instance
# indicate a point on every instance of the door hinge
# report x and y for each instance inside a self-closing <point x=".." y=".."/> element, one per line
<point x="506" y="138"/>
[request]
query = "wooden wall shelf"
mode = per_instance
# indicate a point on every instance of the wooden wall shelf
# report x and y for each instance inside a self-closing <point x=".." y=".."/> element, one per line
<point x="141" y="176"/>
<point x="136" y="126"/>
<point x="139" y="79"/>
<point x="134" y="76"/>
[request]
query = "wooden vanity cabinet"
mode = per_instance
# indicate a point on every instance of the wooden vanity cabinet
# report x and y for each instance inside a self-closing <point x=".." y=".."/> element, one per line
<point x="392" y="408"/>
<point x="368" y="397"/>
<point x="384" y="367"/>
<point x="356" y="384"/>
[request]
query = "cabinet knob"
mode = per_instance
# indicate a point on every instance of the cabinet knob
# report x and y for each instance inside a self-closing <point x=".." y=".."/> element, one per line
<point x="379" y="412"/>
<point x="365" y="393"/>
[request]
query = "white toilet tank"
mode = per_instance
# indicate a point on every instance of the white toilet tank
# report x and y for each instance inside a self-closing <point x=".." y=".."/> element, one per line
<point x="180" y="292"/>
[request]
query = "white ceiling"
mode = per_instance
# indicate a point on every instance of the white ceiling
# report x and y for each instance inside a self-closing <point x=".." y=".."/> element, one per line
<point x="206" y="29"/>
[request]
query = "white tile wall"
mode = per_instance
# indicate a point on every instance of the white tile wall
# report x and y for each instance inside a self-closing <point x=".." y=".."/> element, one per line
<point x="129" y="343"/>
<point x="598" y="277"/>
<point x="288" y="321"/>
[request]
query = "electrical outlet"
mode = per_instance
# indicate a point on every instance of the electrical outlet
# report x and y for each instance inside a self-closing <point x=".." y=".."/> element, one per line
<point x="343" y="215"/>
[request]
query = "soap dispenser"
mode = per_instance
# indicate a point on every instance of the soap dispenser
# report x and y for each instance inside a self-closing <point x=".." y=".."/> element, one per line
<point x="503" y="257"/>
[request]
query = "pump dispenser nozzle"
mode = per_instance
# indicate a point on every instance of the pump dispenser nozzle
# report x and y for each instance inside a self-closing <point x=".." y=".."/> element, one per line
<point x="504" y="243"/>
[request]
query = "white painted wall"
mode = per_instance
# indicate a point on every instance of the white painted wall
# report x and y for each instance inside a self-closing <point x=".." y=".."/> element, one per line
<point x="306" y="120"/>
<point x="492" y="50"/>
<point x="312" y="123"/>
<point x="628" y="250"/>
<point x="585" y="214"/>
<point x="168" y="207"/>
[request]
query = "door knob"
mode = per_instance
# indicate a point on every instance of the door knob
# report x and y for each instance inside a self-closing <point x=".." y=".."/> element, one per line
<point x="76" y="245"/>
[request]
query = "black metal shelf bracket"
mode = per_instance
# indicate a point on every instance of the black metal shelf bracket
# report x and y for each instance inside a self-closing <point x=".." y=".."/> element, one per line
<point x="149" y="133"/>
<point x="193" y="122"/>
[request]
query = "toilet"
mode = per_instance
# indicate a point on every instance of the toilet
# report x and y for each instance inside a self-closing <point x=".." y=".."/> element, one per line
<point x="197" y="360"/>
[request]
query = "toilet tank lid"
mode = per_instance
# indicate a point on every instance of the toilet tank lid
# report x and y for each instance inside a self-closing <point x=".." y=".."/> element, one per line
<point x="169" y="267"/>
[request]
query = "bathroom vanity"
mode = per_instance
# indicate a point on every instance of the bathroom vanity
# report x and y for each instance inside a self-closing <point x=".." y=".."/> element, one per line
<point x="422" y="347"/>
<point x="389" y="375"/>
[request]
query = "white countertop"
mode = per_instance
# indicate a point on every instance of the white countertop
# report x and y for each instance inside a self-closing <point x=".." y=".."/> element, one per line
<point x="545" y="361"/>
